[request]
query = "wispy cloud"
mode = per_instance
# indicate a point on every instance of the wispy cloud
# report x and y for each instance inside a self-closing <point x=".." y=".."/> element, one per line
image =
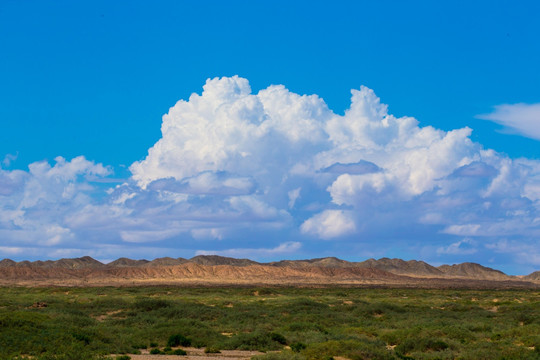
<point x="9" y="158"/>
<point x="287" y="248"/>
<point x="522" y="119"/>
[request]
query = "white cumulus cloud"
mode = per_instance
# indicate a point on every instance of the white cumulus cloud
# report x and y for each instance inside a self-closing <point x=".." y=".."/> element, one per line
<point x="236" y="165"/>
<point x="330" y="224"/>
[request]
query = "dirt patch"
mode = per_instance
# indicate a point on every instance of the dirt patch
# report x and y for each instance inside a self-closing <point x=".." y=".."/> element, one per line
<point x="105" y="316"/>
<point x="39" y="305"/>
<point x="198" y="354"/>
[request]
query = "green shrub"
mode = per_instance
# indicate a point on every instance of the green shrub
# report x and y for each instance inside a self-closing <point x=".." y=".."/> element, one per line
<point x="179" y="352"/>
<point x="362" y="348"/>
<point x="155" y="351"/>
<point x="422" y="345"/>
<point x="82" y="337"/>
<point x="153" y="345"/>
<point x="178" y="340"/>
<point x="298" y="346"/>
<point x="211" y="350"/>
<point x="284" y="355"/>
<point x="257" y="340"/>
<point x="123" y="357"/>
<point x="278" y="338"/>
<point x="151" y="304"/>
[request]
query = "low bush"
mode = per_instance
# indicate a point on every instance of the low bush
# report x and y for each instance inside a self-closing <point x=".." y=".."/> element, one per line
<point x="362" y="348"/>
<point x="421" y="345"/>
<point x="211" y="350"/>
<point x="284" y="355"/>
<point x="298" y="346"/>
<point x="151" y="304"/>
<point x="178" y="340"/>
<point x="278" y="338"/>
<point x="257" y="340"/>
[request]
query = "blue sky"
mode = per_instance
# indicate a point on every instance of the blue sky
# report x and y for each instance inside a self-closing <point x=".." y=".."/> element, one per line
<point x="94" y="79"/>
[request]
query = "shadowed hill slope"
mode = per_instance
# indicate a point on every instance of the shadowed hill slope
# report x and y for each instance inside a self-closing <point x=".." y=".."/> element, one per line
<point x="402" y="267"/>
<point x="221" y="260"/>
<point x="473" y="271"/>
<point x="535" y="276"/>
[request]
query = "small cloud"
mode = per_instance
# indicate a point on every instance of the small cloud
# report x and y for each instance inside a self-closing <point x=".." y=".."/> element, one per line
<point x="462" y="247"/>
<point x="9" y="158"/>
<point x="11" y="250"/>
<point x="522" y="119"/>
<point x="329" y="224"/>
<point x="293" y="196"/>
<point x="463" y="230"/>
<point x="140" y="236"/>
<point x="203" y="234"/>
<point x="284" y="248"/>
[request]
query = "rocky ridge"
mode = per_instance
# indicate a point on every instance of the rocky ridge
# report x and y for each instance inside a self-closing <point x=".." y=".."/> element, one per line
<point x="219" y="270"/>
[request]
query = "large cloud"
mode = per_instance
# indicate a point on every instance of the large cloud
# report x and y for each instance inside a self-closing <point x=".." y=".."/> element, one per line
<point x="237" y="167"/>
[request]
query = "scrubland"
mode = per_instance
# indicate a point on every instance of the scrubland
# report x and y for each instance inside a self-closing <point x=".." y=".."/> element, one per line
<point x="283" y="323"/>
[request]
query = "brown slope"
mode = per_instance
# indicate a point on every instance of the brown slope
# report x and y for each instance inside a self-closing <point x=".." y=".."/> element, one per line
<point x="166" y="261"/>
<point x="473" y="271"/>
<point x="319" y="262"/>
<point x="402" y="267"/>
<point x="85" y="262"/>
<point x="193" y="273"/>
<point x="221" y="260"/>
<point x="251" y="274"/>
<point x="535" y="276"/>
<point x="36" y="274"/>
<point x="7" y="263"/>
<point x="125" y="262"/>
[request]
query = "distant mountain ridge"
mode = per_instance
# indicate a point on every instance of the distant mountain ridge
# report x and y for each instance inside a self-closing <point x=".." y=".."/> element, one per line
<point x="410" y="268"/>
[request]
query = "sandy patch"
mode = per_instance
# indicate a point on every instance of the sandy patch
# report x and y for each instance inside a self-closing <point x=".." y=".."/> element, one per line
<point x="105" y="316"/>
<point x="198" y="354"/>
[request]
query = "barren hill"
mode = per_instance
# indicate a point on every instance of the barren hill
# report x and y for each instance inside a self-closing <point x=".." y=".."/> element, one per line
<point x="472" y="271"/>
<point x="125" y="262"/>
<point x="217" y="270"/>
<point x="221" y="260"/>
<point x="166" y="261"/>
<point x="535" y="276"/>
<point x="320" y="262"/>
<point x="402" y="267"/>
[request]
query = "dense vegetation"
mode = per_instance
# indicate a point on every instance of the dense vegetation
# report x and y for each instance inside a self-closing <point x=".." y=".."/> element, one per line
<point x="86" y="323"/>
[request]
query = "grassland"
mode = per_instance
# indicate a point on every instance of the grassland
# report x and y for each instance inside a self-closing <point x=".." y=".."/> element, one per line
<point x="308" y="323"/>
